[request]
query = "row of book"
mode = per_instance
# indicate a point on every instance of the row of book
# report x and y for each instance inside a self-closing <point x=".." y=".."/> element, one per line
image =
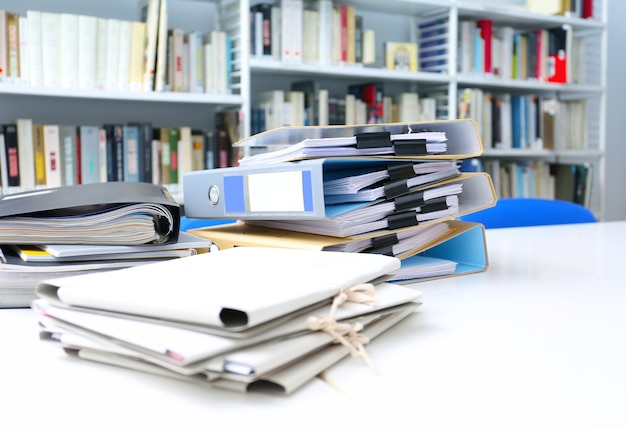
<point x="570" y="8"/>
<point x="35" y="156"/>
<point x="542" y="179"/>
<point x="92" y="53"/>
<point x="307" y="103"/>
<point x="320" y="32"/>
<point x="543" y="55"/>
<point x="531" y="121"/>
<point x="295" y="31"/>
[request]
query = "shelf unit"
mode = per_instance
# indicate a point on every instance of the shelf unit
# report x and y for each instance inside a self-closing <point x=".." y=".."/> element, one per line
<point x="391" y="20"/>
<point x="404" y="16"/>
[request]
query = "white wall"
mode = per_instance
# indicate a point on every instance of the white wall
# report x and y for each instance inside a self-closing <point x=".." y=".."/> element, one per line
<point x="616" y="113"/>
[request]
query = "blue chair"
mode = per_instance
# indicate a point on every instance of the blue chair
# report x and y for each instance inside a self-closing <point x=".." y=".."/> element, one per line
<point x="511" y="212"/>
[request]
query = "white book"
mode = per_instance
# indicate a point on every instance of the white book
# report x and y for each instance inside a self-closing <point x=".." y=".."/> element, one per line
<point x="101" y="52"/>
<point x="26" y="152"/>
<point x="310" y="36"/>
<point x="52" y="145"/>
<point x="156" y="161"/>
<point x="87" y="51"/>
<point x="185" y="152"/>
<point x="408" y="107"/>
<point x="35" y="68"/>
<point x="195" y="61"/>
<point x="296" y="99"/>
<point x="336" y="37"/>
<point x="149" y="14"/>
<point x="124" y="51"/>
<point x="68" y="50"/>
<point x="291" y="30"/>
<point x="273" y="104"/>
<point x="50" y="54"/>
<point x="322" y="114"/>
<point x="325" y="31"/>
<point x="138" y="37"/>
<point x="350" y="115"/>
<point x="161" y="58"/>
<point x="230" y="299"/>
<point x="24" y="54"/>
<point x="276" y="32"/>
<point x="209" y="73"/>
<point x="112" y="54"/>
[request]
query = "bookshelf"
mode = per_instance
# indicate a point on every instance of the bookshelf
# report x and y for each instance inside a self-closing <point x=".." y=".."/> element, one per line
<point x="581" y="98"/>
<point x="396" y="20"/>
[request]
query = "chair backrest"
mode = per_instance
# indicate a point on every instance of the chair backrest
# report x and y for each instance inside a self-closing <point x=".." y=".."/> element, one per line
<point x="511" y="212"/>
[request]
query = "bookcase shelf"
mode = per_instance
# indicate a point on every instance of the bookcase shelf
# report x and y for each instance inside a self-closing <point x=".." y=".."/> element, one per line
<point x="395" y="20"/>
<point x="150" y="97"/>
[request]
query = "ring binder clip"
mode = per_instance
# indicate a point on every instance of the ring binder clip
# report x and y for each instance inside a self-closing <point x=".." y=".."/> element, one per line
<point x="410" y="147"/>
<point x="410" y="201"/>
<point x="385" y="240"/>
<point x="435" y="206"/>
<point x="400" y="170"/>
<point x="395" y="189"/>
<point x="402" y="220"/>
<point x="373" y="140"/>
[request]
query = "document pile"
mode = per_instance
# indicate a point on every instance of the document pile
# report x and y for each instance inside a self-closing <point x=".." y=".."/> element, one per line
<point x="393" y="189"/>
<point x="92" y="227"/>
<point x="244" y="319"/>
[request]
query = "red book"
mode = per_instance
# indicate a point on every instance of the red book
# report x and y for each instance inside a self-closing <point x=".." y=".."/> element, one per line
<point x="486" y="34"/>
<point x="557" y="55"/>
<point x="343" y="11"/>
<point x="587" y="11"/>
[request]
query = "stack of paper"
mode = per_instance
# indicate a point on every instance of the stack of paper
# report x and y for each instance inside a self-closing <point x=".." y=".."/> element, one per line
<point x="85" y="228"/>
<point x="373" y="186"/>
<point x="276" y="324"/>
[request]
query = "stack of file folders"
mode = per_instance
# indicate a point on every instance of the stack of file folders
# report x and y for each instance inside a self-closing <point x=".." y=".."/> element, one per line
<point x="394" y="189"/>
<point x="61" y="231"/>
<point x="272" y="326"/>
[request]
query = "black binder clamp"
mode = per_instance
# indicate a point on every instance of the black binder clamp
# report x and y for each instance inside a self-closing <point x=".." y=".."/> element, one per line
<point x="410" y="201"/>
<point x="402" y="220"/>
<point x="393" y="190"/>
<point x="438" y="204"/>
<point x="385" y="240"/>
<point x="400" y="170"/>
<point x="409" y="147"/>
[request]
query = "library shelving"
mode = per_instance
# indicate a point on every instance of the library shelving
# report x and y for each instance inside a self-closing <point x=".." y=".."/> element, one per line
<point x="447" y="69"/>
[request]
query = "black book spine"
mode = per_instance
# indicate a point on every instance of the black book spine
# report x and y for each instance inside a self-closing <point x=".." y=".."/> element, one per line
<point x="12" y="154"/>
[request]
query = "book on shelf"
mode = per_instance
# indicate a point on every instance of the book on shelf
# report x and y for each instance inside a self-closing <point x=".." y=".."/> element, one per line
<point x="87" y="35"/>
<point x="401" y="56"/>
<point x="432" y="45"/>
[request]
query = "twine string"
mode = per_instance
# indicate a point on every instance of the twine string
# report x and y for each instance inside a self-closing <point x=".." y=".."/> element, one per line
<point x="345" y="333"/>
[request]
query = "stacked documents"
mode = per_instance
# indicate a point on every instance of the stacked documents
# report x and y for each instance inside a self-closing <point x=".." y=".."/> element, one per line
<point x="68" y="230"/>
<point x="274" y="325"/>
<point x="364" y="185"/>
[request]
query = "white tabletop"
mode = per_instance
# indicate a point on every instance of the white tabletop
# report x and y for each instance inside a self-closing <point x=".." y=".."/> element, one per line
<point x="537" y="341"/>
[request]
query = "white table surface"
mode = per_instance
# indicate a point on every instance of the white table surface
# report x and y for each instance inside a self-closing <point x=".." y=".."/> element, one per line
<point x="537" y="341"/>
